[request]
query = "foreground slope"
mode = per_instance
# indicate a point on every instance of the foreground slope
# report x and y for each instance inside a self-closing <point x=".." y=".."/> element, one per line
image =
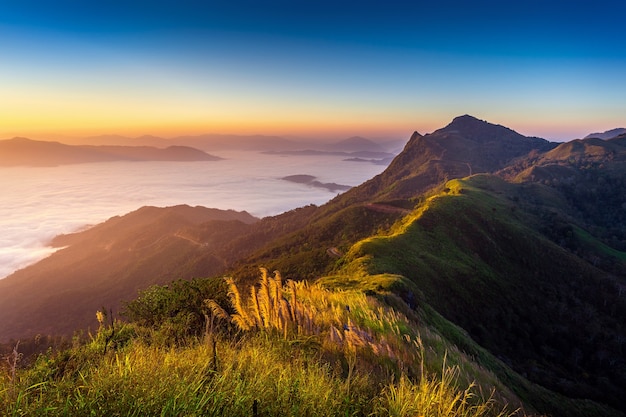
<point x="479" y="255"/>
<point x="329" y="353"/>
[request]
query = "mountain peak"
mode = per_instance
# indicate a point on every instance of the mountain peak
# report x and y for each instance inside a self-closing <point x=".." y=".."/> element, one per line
<point x="466" y="118"/>
<point x="476" y="129"/>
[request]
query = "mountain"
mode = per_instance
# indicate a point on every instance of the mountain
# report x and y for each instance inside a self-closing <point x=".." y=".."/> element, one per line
<point x="110" y="262"/>
<point x="464" y="147"/>
<point x="120" y="140"/>
<point x="357" y="144"/>
<point x="213" y="142"/>
<point x="22" y="151"/>
<point x="149" y="153"/>
<point x="511" y="249"/>
<point x="609" y="134"/>
<point x="526" y="280"/>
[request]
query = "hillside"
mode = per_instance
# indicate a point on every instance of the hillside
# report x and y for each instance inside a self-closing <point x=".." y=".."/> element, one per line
<point x="109" y="263"/>
<point x="464" y="147"/>
<point x="22" y="151"/>
<point x="479" y="254"/>
<point x="424" y="164"/>
<point x="609" y="134"/>
<point x="509" y="250"/>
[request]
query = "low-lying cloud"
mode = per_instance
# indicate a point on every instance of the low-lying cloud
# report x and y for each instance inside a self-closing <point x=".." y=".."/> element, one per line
<point x="40" y="203"/>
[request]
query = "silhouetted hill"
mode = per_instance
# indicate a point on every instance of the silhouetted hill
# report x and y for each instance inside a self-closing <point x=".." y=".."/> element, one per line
<point x="110" y="262"/>
<point x="22" y="151"/>
<point x="609" y="134"/>
<point x="356" y="144"/>
<point x="212" y="142"/>
<point x="464" y="147"/>
<point x="120" y="140"/>
<point x="148" y="153"/>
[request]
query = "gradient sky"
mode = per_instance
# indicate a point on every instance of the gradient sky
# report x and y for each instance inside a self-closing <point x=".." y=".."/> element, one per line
<point x="320" y="68"/>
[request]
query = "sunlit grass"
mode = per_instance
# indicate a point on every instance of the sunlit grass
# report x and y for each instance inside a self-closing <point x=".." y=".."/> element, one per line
<point x="434" y="397"/>
<point x="304" y="350"/>
<point x="258" y="373"/>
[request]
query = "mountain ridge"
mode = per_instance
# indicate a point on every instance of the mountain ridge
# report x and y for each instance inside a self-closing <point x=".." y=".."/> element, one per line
<point x="519" y="241"/>
<point x="608" y="134"/>
<point x="265" y="143"/>
<point x="22" y="151"/>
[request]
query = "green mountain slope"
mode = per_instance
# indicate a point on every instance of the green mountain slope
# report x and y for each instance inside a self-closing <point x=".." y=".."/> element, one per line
<point x="477" y="255"/>
<point x="467" y="145"/>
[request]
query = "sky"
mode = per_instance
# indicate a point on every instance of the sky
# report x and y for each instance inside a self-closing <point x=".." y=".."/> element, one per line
<point x="327" y="69"/>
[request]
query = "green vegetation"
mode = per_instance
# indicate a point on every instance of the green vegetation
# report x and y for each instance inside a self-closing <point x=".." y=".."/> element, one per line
<point x="478" y="256"/>
<point x="335" y="352"/>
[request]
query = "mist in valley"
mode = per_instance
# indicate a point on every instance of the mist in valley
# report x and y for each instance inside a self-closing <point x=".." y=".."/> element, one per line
<point x="42" y="202"/>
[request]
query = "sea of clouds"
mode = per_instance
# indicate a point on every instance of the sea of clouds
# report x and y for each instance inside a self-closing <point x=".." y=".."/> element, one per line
<point x="39" y="203"/>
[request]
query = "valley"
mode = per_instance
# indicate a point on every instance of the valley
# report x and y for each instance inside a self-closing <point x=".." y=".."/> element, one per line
<point x="500" y="255"/>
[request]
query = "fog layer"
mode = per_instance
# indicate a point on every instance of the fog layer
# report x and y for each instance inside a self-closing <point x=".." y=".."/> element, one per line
<point x="40" y="203"/>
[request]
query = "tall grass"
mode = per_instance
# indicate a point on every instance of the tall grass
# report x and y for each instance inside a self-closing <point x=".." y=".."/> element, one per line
<point x="153" y="380"/>
<point x="430" y="397"/>
<point x="302" y="351"/>
<point x="339" y="319"/>
<point x="145" y="380"/>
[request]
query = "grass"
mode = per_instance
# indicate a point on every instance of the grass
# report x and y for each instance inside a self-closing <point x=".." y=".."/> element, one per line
<point x="368" y="340"/>
<point x="434" y="397"/>
<point x="598" y="246"/>
<point x="474" y="255"/>
<point x="358" y="356"/>
<point x="151" y="380"/>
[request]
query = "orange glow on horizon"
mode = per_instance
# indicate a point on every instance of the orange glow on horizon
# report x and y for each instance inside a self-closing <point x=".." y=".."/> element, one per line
<point x="66" y="122"/>
<point x="68" y="127"/>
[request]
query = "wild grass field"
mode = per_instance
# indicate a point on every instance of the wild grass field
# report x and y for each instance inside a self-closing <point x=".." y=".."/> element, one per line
<point x="294" y="349"/>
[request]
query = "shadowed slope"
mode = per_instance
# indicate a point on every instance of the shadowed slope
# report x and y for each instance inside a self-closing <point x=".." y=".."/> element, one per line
<point x="464" y="147"/>
<point x="478" y="254"/>
<point x="108" y="263"/>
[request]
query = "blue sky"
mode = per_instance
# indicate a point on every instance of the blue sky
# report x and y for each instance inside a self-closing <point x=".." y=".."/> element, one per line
<point x="321" y="69"/>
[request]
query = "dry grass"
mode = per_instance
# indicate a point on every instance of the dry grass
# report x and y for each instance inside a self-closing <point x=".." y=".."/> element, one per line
<point x="303" y="351"/>
<point x="431" y="397"/>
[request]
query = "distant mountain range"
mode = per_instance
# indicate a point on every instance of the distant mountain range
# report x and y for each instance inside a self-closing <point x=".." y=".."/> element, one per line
<point x="217" y="142"/>
<point x="609" y="134"/>
<point x="22" y="151"/>
<point x="514" y="243"/>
